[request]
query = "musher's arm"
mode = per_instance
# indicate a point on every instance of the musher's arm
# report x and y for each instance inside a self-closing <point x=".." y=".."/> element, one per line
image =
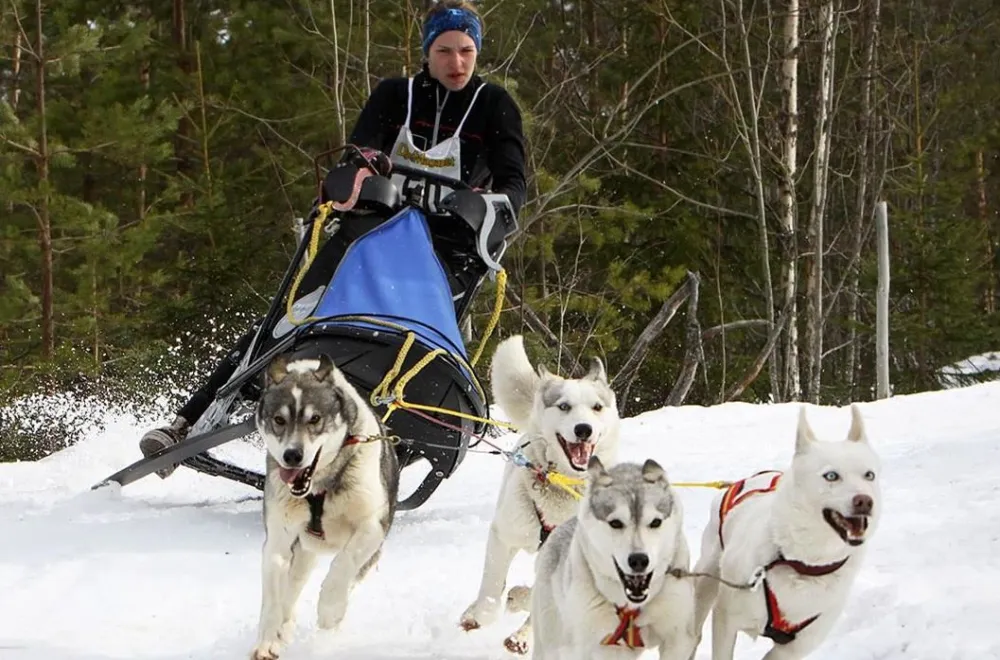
<point x="505" y="151"/>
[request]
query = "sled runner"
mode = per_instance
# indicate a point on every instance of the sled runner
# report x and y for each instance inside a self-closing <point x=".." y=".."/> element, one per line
<point x="381" y="282"/>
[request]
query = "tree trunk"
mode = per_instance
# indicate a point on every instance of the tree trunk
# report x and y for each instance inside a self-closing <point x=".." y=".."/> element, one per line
<point x="817" y="211"/>
<point x="338" y="90"/>
<point x="184" y="126"/>
<point x="694" y="353"/>
<point x="627" y="373"/>
<point x="861" y="206"/>
<point x="144" y="70"/>
<point x="990" y="294"/>
<point x="787" y="203"/>
<point x="882" y="304"/>
<point x="43" y="211"/>
<point x="365" y="63"/>
<point x="15" y="71"/>
<point x="749" y="129"/>
<point x="15" y="83"/>
<point x="206" y="163"/>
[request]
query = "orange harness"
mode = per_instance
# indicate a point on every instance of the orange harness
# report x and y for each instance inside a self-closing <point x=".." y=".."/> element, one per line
<point x="778" y="628"/>
<point x="764" y="481"/>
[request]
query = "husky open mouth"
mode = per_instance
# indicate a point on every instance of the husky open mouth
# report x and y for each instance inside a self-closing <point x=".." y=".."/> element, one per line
<point x="636" y="585"/>
<point x="577" y="453"/>
<point x="850" y="528"/>
<point x="299" y="479"/>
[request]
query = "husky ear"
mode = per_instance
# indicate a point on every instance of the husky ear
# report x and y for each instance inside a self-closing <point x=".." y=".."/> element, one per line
<point x="597" y="371"/>
<point x="542" y="371"/>
<point x="857" y="431"/>
<point x="325" y="368"/>
<point x="348" y="410"/>
<point x="652" y="472"/>
<point x="804" y="437"/>
<point x="598" y="475"/>
<point x="276" y="371"/>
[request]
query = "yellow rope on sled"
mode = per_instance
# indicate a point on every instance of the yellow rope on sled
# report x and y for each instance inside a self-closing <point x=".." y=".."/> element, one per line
<point x="324" y="213"/>
<point x="495" y="316"/>
<point x="381" y="391"/>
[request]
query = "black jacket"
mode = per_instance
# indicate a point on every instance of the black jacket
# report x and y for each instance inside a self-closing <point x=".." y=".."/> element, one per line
<point x="492" y="141"/>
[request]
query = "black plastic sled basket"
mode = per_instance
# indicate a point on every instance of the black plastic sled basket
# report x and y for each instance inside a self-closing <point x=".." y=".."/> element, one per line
<point x="382" y="278"/>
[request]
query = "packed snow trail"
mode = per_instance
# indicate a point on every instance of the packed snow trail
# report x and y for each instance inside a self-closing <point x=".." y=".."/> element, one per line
<point x="171" y="569"/>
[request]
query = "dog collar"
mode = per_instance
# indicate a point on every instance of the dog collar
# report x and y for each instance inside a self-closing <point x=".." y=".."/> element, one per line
<point x="352" y="440"/>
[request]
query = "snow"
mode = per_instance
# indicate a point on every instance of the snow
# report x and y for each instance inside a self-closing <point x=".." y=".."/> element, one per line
<point x="975" y="368"/>
<point x="170" y="569"/>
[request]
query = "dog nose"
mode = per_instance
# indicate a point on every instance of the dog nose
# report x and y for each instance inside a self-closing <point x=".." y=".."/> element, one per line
<point x="638" y="562"/>
<point x="583" y="431"/>
<point x="862" y="505"/>
<point x="293" y="456"/>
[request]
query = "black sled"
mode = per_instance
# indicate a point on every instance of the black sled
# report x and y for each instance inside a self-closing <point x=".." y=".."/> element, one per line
<point x="391" y="271"/>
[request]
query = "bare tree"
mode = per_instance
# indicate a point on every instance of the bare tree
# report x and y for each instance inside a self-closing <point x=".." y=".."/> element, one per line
<point x="185" y="126"/>
<point x="366" y="9"/>
<point x="787" y="201"/>
<point x="338" y="89"/>
<point x="830" y="18"/>
<point x="630" y="369"/>
<point x="862" y="208"/>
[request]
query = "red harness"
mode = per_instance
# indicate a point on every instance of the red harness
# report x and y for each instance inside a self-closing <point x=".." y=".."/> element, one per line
<point x="778" y="628"/>
<point x="627" y="633"/>
<point x="546" y="528"/>
<point x="764" y="481"/>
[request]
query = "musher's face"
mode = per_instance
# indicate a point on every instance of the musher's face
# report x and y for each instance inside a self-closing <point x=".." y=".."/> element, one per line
<point x="452" y="59"/>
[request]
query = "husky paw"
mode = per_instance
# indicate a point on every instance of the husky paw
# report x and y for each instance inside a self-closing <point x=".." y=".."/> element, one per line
<point x="468" y="623"/>
<point x="266" y="651"/>
<point x="516" y="643"/>
<point x="330" y="616"/>
<point x="479" y="614"/>
<point x="518" y="599"/>
<point x="286" y="633"/>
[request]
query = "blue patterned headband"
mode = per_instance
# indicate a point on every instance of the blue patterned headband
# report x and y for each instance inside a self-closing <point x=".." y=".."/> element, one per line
<point x="462" y="20"/>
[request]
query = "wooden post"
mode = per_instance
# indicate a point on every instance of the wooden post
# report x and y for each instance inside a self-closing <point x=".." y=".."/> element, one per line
<point x="882" y="302"/>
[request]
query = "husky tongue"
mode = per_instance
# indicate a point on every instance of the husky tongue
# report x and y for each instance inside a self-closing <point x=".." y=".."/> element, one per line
<point x="289" y="475"/>
<point x="856" y="525"/>
<point x="579" y="453"/>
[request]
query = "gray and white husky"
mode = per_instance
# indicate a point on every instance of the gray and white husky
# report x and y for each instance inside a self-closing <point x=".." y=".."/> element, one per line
<point x="330" y="486"/>
<point x="564" y="422"/>
<point x="806" y="529"/>
<point x="602" y="588"/>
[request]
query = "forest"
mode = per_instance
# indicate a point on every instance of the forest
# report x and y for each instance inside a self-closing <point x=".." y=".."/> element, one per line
<point x="702" y="183"/>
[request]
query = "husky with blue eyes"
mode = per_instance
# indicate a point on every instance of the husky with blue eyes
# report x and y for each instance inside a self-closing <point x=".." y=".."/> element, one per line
<point x="803" y="532"/>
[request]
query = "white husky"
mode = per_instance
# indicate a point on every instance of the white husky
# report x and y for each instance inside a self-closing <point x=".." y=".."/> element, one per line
<point x="565" y="421"/>
<point x="602" y="588"/>
<point x="806" y="529"/>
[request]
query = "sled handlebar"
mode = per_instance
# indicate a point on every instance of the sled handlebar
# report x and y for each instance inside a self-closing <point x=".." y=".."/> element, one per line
<point x="415" y="173"/>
